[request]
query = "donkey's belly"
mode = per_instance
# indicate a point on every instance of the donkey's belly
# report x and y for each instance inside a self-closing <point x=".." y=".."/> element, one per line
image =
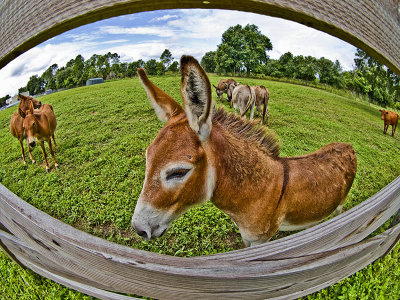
<point x="286" y="226"/>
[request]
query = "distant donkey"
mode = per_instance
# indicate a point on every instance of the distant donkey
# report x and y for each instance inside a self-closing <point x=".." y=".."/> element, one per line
<point x="41" y="125"/>
<point x="201" y="154"/>
<point x="389" y="118"/>
<point x="262" y="98"/>
<point x="16" y="122"/>
<point x="243" y="99"/>
<point x="222" y="87"/>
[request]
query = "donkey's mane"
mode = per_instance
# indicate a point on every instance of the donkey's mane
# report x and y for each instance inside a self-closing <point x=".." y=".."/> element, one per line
<point x="250" y="131"/>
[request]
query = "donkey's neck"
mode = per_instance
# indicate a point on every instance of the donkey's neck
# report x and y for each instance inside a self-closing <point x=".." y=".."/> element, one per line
<point x="244" y="173"/>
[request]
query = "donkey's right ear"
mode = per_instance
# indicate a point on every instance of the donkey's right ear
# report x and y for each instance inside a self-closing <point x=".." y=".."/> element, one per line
<point x="164" y="106"/>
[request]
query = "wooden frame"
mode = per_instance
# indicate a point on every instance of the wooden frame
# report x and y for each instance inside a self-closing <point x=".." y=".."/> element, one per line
<point x="287" y="268"/>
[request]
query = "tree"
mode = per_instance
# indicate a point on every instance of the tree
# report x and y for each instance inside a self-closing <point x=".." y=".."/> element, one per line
<point x="306" y="67"/>
<point x="48" y="77"/>
<point x="133" y="66"/>
<point x="4" y="99"/>
<point x="151" y="67"/>
<point x="166" y="58"/>
<point x="35" y="85"/>
<point x="329" y="72"/>
<point x="245" y="46"/>
<point x="287" y="65"/>
<point x="208" y="61"/>
<point x="174" y="67"/>
<point x="160" y="68"/>
<point x="375" y="80"/>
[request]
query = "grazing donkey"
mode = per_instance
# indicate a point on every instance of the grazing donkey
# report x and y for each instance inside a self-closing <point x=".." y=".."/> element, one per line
<point x="222" y="87"/>
<point x="201" y="155"/>
<point x="262" y="98"/>
<point x="41" y="125"/>
<point x="389" y="118"/>
<point x="16" y="122"/>
<point x="243" y="98"/>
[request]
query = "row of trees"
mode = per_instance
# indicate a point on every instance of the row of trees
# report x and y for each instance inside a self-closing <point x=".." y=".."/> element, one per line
<point x="242" y="51"/>
<point x="108" y="66"/>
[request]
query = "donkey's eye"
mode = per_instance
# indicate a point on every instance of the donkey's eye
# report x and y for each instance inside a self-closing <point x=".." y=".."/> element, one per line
<point x="177" y="173"/>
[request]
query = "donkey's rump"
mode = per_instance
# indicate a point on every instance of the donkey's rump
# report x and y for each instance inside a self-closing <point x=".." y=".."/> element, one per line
<point x="318" y="183"/>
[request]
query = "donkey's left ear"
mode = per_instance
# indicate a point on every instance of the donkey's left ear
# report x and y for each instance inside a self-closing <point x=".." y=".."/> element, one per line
<point x="196" y="94"/>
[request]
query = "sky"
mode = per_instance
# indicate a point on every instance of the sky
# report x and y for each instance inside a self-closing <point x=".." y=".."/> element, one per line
<point x="146" y="35"/>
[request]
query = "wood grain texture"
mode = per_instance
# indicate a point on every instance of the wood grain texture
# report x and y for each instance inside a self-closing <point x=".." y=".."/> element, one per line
<point x="372" y="25"/>
<point x="290" y="267"/>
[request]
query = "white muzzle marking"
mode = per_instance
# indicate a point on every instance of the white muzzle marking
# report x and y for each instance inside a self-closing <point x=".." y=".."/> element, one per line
<point x="150" y="222"/>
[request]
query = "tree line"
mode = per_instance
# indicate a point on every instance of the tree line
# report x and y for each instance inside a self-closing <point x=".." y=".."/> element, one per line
<point x="107" y="66"/>
<point x="242" y="52"/>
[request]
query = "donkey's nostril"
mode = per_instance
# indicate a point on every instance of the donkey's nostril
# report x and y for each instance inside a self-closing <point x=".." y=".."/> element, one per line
<point x="143" y="234"/>
<point x="33" y="144"/>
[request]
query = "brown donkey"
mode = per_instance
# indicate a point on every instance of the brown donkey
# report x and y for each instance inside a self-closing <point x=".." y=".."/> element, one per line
<point x="16" y="122"/>
<point x="262" y="98"/>
<point x="202" y="155"/>
<point x="41" y="125"/>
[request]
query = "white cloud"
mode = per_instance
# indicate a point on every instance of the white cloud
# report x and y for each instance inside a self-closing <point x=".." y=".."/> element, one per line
<point x="160" y="31"/>
<point x="164" y="18"/>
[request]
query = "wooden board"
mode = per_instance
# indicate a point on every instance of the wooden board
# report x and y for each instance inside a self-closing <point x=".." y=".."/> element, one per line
<point x="372" y="25"/>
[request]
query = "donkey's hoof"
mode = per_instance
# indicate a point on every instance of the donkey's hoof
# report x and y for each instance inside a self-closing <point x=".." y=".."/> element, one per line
<point x="33" y="161"/>
<point x="56" y="166"/>
<point x="47" y="169"/>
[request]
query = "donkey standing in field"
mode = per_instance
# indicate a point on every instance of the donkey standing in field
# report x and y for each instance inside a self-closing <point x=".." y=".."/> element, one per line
<point x="16" y="122"/>
<point x="243" y="98"/>
<point x="262" y="98"/>
<point x="201" y="155"/>
<point x="41" y="125"/>
<point x="222" y="87"/>
<point x="389" y="118"/>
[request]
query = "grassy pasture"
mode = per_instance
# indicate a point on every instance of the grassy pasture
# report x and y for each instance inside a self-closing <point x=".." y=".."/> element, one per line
<point x="102" y="134"/>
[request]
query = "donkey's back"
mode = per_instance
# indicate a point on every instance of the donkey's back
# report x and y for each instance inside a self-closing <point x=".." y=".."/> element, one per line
<point x="317" y="184"/>
<point x="48" y="111"/>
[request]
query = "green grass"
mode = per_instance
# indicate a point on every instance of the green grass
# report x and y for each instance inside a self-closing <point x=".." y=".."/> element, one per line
<point x="103" y="131"/>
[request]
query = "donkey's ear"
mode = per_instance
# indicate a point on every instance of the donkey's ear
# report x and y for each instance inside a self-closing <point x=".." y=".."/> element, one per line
<point x="196" y="94"/>
<point x="31" y="108"/>
<point x="21" y="113"/>
<point x="164" y="106"/>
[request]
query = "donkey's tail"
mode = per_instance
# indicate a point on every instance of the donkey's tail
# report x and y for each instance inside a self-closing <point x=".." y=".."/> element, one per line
<point x="250" y="102"/>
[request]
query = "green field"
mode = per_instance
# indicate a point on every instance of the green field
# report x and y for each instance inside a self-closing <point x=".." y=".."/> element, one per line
<point x="102" y="134"/>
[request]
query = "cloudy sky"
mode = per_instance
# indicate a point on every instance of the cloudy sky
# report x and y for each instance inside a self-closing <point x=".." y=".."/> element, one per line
<point x="146" y="35"/>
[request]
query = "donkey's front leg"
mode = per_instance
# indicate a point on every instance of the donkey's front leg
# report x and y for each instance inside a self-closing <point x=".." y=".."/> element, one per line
<point x="52" y="154"/>
<point x="23" y="151"/>
<point x="54" y="140"/>
<point x="44" y="156"/>
<point x="30" y="154"/>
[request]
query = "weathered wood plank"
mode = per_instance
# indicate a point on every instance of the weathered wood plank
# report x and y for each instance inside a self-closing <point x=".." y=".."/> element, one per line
<point x="372" y="25"/>
<point x="275" y="279"/>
